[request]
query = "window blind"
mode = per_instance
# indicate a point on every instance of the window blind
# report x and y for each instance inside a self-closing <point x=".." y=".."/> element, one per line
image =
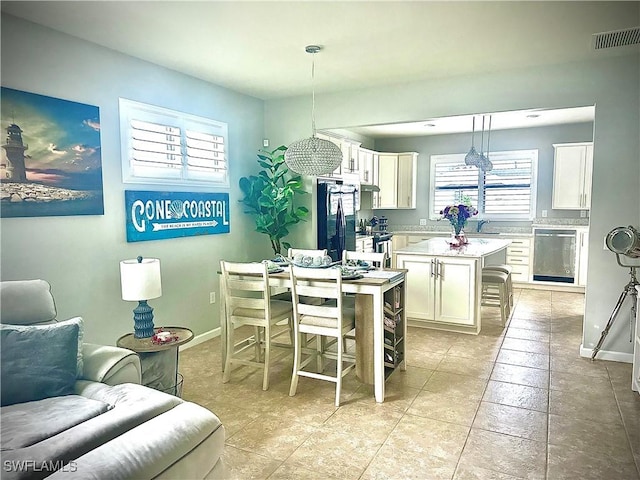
<point x="507" y="188"/>
<point x="507" y="191"/>
<point x="166" y="146"/>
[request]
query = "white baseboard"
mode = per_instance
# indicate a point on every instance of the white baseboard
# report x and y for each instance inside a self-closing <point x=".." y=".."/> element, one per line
<point x="607" y="355"/>
<point x="554" y="287"/>
<point x="203" y="337"/>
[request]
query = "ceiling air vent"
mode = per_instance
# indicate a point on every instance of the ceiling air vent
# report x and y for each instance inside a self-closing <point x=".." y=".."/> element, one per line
<point x="616" y="38"/>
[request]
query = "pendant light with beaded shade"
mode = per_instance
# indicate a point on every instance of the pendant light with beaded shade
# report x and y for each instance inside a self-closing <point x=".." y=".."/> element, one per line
<point x="313" y="156"/>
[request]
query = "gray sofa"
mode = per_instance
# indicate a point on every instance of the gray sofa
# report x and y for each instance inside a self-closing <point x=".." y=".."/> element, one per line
<point x="76" y="410"/>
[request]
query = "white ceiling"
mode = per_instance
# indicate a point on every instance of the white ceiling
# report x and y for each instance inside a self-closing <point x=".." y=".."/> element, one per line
<point x="257" y="48"/>
<point x="465" y="123"/>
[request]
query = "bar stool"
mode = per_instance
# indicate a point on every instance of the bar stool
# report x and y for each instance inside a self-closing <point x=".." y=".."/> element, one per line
<point x="494" y="292"/>
<point x="505" y="269"/>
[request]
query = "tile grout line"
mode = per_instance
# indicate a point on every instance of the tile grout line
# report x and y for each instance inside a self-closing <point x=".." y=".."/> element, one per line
<point x="624" y="424"/>
<point x="475" y="415"/>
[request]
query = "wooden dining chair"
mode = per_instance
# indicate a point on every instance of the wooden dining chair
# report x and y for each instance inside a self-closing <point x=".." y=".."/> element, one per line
<point x="292" y="252"/>
<point x="377" y="259"/>
<point x="248" y="303"/>
<point x="329" y="320"/>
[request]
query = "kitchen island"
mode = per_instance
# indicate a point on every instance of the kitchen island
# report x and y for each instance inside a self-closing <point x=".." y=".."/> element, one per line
<point x="444" y="284"/>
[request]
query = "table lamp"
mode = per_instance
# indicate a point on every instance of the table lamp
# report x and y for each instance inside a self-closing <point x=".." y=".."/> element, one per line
<point x="140" y="281"/>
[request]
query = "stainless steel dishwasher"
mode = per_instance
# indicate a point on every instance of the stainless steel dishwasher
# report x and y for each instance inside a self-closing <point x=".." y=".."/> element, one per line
<point x="554" y="255"/>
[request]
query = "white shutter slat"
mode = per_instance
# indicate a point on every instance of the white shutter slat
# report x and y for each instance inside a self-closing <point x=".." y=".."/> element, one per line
<point x="155" y="127"/>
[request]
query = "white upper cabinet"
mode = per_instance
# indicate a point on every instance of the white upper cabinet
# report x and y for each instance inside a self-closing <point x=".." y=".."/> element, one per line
<point x="338" y="171"/>
<point x="350" y="152"/>
<point x="572" y="174"/>
<point x="387" y="181"/>
<point x="407" y="166"/>
<point x="365" y="164"/>
<point x="395" y="175"/>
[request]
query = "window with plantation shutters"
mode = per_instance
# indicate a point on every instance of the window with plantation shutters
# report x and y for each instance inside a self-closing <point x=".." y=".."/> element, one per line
<point x="507" y="192"/>
<point x="162" y="146"/>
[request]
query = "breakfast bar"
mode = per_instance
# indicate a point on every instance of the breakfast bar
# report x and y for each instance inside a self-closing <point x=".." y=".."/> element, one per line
<point x="444" y="283"/>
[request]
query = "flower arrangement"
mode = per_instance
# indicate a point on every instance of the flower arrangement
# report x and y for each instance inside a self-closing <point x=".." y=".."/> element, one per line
<point x="458" y="215"/>
<point x="163" y="336"/>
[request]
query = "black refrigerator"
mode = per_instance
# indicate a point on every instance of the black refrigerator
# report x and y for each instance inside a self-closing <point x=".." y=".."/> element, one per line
<point x="336" y="217"/>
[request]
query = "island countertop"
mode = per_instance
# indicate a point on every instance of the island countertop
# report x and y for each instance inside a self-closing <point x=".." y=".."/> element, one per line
<point x="476" y="248"/>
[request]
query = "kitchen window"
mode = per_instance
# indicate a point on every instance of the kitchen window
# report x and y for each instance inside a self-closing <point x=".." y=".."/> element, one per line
<point x="507" y="192"/>
<point x="162" y="146"/>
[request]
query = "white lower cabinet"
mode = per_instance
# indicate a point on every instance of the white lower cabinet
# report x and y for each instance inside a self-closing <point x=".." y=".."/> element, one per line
<point x="441" y="290"/>
<point x="582" y="256"/>
<point x="519" y="259"/>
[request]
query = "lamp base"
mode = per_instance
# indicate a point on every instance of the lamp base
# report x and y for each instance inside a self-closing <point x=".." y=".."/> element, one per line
<point x="143" y="320"/>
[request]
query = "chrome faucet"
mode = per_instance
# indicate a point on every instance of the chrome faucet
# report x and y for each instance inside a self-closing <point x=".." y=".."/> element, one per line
<point x="480" y="225"/>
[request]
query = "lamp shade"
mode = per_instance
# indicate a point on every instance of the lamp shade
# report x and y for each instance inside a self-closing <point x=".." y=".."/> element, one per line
<point x="140" y="279"/>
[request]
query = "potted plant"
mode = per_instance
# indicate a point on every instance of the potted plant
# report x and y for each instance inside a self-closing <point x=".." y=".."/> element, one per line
<point x="270" y="197"/>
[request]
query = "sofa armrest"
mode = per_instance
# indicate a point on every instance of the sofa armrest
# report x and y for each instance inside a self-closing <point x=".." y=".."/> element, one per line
<point x="110" y="365"/>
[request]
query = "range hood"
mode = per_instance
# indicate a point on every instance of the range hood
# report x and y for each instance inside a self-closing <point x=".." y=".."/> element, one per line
<point x="365" y="187"/>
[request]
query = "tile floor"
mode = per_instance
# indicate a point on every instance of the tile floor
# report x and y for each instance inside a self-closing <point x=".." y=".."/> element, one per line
<point x="514" y="402"/>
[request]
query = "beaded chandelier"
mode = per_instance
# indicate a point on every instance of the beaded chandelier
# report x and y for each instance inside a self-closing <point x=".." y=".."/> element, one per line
<point x="313" y="155"/>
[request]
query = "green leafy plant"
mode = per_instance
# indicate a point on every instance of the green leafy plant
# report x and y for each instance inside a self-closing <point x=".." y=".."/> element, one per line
<point x="270" y="197"/>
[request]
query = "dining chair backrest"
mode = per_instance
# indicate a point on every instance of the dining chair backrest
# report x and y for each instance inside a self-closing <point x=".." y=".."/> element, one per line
<point x="246" y="288"/>
<point x="322" y="283"/>
<point x="311" y="253"/>
<point x="377" y="259"/>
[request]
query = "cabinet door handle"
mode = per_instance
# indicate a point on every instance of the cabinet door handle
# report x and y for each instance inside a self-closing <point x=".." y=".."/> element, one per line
<point x="439" y="269"/>
<point x="366" y="175"/>
<point x="432" y="269"/>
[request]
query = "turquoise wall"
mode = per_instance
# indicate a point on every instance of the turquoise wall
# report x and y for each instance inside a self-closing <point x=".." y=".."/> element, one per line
<point x="80" y="255"/>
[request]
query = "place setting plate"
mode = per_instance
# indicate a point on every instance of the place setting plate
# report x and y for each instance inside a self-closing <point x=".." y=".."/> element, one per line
<point x="359" y="265"/>
<point x="351" y="276"/>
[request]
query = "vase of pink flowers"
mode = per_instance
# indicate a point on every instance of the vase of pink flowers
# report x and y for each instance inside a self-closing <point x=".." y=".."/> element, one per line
<point x="458" y="215"/>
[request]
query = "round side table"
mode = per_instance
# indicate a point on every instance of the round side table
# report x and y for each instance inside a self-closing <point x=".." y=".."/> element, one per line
<point x="159" y="361"/>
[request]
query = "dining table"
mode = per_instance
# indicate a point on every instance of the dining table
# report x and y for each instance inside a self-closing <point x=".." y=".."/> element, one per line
<point x="369" y="290"/>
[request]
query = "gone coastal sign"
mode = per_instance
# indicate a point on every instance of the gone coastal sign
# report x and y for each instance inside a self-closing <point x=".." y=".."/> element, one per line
<point x="160" y="215"/>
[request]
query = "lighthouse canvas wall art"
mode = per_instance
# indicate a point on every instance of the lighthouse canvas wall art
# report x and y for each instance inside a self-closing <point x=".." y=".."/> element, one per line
<point x="50" y="160"/>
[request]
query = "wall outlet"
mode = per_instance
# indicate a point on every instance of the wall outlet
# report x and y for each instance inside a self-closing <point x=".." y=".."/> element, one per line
<point x="583" y="213"/>
<point x="212" y="297"/>
<point x="544" y="213"/>
<point x="423" y="222"/>
<point x="265" y="142"/>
